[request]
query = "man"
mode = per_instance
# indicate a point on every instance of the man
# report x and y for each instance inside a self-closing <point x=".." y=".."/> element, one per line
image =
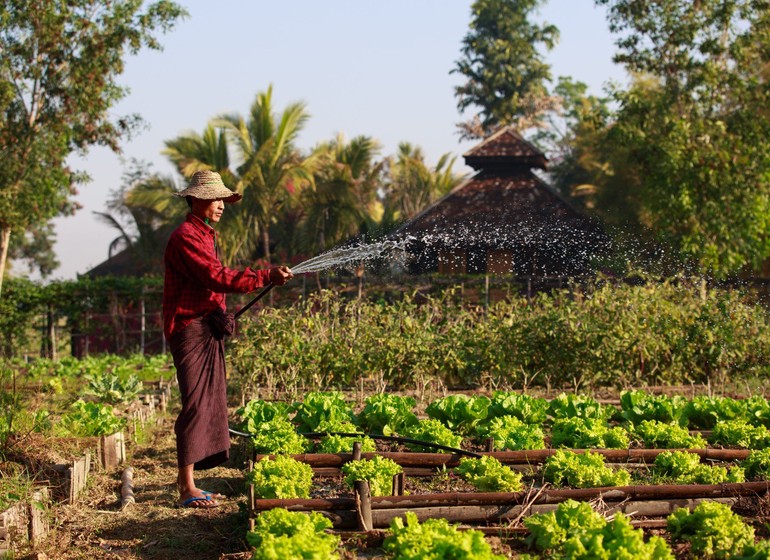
<point x="195" y="323"/>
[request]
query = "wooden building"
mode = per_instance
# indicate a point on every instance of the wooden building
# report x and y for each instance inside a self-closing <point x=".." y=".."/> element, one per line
<point x="503" y="220"/>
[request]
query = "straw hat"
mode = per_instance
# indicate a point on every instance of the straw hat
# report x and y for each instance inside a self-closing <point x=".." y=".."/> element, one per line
<point x="208" y="185"/>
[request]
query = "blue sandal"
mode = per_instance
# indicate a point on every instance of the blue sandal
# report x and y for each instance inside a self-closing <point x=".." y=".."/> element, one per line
<point x="189" y="501"/>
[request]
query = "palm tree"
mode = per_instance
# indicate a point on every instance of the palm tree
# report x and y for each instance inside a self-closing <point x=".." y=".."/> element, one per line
<point x="412" y="185"/>
<point x="271" y="171"/>
<point x="343" y="200"/>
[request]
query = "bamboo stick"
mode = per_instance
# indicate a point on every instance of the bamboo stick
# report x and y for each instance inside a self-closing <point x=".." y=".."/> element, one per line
<point x="127" y="488"/>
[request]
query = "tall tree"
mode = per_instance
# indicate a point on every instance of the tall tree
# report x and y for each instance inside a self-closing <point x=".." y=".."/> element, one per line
<point x="271" y="168"/>
<point x="59" y="61"/>
<point x="507" y="78"/>
<point x="698" y="134"/>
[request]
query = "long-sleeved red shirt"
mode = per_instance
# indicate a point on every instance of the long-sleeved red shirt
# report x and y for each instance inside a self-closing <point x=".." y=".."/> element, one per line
<point x="196" y="282"/>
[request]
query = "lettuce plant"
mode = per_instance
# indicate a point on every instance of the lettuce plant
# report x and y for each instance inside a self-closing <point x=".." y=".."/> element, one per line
<point x="386" y="413"/>
<point x="435" y="539"/>
<point x="377" y="471"/>
<point x="582" y="470"/>
<point x="739" y="433"/>
<point x="320" y="406"/>
<point x="277" y="436"/>
<point x="662" y="435"/>
<point x="459" y="412"/>
<point x="636" y="406"/>
<point x="511" y="433"/>
<point x="686" y="468"/>
<point x="281" y="477"/>
<point x="570" y="405"/>
<point x="712" y="529"/>
<point x="528" y="409"/>
<point x="331" y="443"/>
<point x="279" y="533"/>
<point x="704" y="412"/>
<point x="90" y="419"/>
<point x="584" y="433"/>
<point x="432" y="431"/>
<point x="487" y="474"/>
<point x="757" y="464"/>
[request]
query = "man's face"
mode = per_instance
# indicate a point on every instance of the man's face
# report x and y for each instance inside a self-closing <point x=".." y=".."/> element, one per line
<point x="208" y="209"/>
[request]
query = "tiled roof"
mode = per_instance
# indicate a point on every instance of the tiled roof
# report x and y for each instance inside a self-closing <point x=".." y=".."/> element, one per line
<point x="505" y="147"/>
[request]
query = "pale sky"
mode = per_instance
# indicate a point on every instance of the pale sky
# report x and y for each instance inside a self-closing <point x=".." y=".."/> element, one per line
<point x="362" y="67"/>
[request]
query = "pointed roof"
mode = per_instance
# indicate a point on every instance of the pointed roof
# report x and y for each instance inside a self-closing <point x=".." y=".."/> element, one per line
<point x="505" y="148"/>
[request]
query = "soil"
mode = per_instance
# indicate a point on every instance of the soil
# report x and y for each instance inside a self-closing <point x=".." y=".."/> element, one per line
<point x="153" y="528"/>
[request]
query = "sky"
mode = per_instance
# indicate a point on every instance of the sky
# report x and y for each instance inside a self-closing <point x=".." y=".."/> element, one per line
<point x="361" y="67"/>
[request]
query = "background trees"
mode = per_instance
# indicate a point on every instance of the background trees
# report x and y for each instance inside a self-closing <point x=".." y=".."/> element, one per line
<point x="58" y="65"/>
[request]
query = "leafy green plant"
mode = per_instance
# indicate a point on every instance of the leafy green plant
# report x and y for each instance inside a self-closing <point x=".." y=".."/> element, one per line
<point x="757" y="464"/>
<point x="487" y="474"/>
<point x="712" y="529"/>
<point x="582" y="470"/>
<point x="703" y="412"/>
<point x="636" y="406"/>
<point x="459" y="412"/>
<point x="320" y="406"/>
<point x="739" y="433"/>
<point x="387" y="414"/>
<point x="435" y="539"/>
<point x="571" y="405"/>
<point x="528" y="409"/>
<point x="432" y="431"/>
<point x="281" y="477"/>
<point x="277" y="436"/>
<point x="331" y="443"/>
<point x="377" y="471"/>
<point x="583" y="433"/>
<point x="662" y="435"/>
<point x="574" y="530"/>
<point x="511" y="433"/>
<point x="686" y="468"/>
<point x="279" y="533"/>
<point x="90" y="419"/>
<point x="113" y="388"/>
<point x="257" y="412"/>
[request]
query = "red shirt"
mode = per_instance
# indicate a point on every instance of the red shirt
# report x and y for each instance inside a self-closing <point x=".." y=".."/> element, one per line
<point x="196" y="282"/>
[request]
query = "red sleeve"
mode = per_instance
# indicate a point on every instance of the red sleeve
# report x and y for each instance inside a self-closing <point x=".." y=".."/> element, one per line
<point x="203" y="265"/>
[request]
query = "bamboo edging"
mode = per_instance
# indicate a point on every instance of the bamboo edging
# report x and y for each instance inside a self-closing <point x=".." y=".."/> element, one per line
<point x="547" y="496"/>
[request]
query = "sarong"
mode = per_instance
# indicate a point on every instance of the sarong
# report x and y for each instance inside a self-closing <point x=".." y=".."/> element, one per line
<point x="202" y="431"/>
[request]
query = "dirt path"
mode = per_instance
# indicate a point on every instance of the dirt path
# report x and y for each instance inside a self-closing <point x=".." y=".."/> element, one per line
<point x="153" y="528"/>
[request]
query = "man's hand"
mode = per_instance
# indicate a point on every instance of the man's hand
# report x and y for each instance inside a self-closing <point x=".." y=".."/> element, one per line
<point x="280" y="275"/>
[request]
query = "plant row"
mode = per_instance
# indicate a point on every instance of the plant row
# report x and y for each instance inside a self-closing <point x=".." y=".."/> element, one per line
<point x="607" y="335"/>
<point x="574" y="530"/>
<point x="512" y="420"/>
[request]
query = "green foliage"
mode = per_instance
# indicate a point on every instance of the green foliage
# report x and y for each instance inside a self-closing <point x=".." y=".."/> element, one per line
<point x="432" y="431"/>
<point x="386" y="413"/>
<point x="277" y="436"/>
<point x="681" y="467"/>
<point x="279" y="533"/>
<point x="528" y="409"/>
<point x="739" y="433"/>
<point x="694" y="127"/>
<point x="572" y="405"/>
<point x="487" y="474"/>
<point x="281" y="477"/>
<point x="90" y="419"/>
<point x="636" y="406"/>
<point x="434" y="539"/>
<point x="582" y="470"/>
<point x="574" y="530"/>
<point x="459" y="412"/>
<point x="757" y="464"/>
<point x="654" y="333"/>
<point x="257" y="411"/>
<point x="342" y="444"/>
<point x="511" y="433"/>
<point x="757" y="551"/>
<point x="506" y="75"/>
<point x="661" y="435"/>
<point x="582" y="433"/>
<point x="378" y="471"/>
<point x="712" y="529"/>
<point x="113" y="388"/>
<point x="704" y="412"/>
<point x="318" y="407"/>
